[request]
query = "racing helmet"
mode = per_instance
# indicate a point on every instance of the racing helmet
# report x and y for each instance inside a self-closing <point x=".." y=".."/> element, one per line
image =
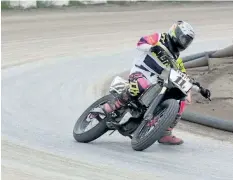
<point x="182" y="34"/>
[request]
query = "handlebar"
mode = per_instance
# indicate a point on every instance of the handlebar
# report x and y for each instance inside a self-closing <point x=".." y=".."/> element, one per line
<point x="197" y="84"/>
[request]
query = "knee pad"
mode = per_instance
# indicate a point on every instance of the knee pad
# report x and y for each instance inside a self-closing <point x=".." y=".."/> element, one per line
<point x="137" y="84"/>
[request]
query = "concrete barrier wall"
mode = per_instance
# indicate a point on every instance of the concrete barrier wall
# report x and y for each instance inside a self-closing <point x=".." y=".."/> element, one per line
<point x="33" y="3"/>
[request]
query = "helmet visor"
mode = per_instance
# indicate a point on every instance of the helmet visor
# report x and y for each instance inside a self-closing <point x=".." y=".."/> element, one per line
<point x="183" y="40"/>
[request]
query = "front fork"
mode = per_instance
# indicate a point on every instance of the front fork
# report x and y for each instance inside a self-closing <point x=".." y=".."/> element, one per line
<point x="149" y="115"/>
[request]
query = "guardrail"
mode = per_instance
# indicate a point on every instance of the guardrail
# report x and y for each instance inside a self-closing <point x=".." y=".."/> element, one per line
<point x="54" y="3"/>
<point x="203" y="58"/>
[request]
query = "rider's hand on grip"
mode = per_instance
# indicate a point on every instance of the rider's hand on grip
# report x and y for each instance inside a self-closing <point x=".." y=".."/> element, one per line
<point x="196" y="83"/>
<point x="205" y="93"/>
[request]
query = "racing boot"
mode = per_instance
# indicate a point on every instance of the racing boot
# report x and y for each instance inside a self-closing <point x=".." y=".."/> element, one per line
<point x="168" y="138"/>
<point x="112" y="105"/>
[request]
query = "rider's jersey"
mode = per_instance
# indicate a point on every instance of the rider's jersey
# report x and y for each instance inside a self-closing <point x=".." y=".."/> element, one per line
<point x="155" y="62"/>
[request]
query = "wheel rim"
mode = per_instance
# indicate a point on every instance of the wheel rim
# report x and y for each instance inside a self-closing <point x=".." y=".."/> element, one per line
<point x="89" y="122"/>
<point x="148" y="126"/>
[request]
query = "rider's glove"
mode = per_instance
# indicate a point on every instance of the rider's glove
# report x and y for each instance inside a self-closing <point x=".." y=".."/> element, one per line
<point x="205" y="92"/>
<point x="196" y="83"/>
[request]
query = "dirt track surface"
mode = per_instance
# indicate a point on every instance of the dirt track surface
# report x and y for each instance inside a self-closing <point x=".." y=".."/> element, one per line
<point x="42" y="100"/>
<point x="30" y="36"/>
<point x="219" y="79"/>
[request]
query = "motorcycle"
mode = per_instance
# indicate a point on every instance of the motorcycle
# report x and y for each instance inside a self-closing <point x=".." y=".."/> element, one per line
<point x="144" y="119"/>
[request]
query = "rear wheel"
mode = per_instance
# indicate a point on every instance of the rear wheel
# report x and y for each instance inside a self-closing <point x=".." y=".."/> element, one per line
<point x="84" y="131"/>
<point x="150" y="131"/>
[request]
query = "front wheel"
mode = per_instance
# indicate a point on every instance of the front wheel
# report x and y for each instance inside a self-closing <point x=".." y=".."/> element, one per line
<point x="83" y="132"/>
<point x="150" y="131"/>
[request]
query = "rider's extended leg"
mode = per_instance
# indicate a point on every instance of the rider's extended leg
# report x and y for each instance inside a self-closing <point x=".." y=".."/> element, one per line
<point x="167" y="137"/>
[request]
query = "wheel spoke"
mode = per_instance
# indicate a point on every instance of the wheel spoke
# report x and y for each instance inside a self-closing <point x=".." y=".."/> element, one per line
<point x="89" y="122"/>
<point x="146" y="129"/>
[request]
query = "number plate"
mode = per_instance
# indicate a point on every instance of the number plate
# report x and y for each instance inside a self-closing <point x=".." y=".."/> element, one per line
<point x="180" y="80"/>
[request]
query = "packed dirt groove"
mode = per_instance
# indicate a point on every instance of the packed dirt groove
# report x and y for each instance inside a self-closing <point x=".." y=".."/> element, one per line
<point x="42" y="100"/>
